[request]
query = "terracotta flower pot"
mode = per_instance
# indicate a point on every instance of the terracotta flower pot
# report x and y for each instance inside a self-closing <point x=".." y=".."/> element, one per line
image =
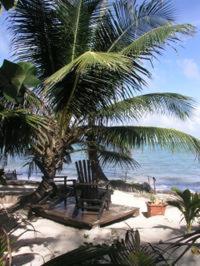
<point x="155" y="208"/>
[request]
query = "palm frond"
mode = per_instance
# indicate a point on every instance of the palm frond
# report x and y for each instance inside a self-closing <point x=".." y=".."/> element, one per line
<point x="190" y="241"/>
<point x="52" y="33"/>
<point x="88" y="60"/>
<point x="84" y="14"/>
<point x="19" y="128"/>
<point x="79" y="86"/>
<point x="31" y="165"/>
<point x="177" y="204"/>
<point x="116" y="158"/>
<point x="150" y="41"/>
<point x="38" y="35"/>
<point x="126" y="21"/>
<point x="122" y="252"/>
<point x="134" y="108"/>
<point x="127" y="24"/>
<point x="137" y="137"/>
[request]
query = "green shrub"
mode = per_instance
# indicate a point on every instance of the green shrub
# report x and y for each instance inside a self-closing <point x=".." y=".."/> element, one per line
<point x="189" y="205"/>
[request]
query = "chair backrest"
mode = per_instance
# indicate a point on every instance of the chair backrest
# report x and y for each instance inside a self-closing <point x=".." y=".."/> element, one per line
<point x="11" y="175"/>
<point x="84" y="171"/>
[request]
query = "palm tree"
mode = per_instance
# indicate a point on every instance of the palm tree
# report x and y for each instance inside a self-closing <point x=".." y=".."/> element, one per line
<point x="189" y="205"/>
<point x="135" y="43"/>
<point x="89" y="56"/>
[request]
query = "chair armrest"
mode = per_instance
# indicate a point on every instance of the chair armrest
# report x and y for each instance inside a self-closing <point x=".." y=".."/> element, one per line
<point x="107" y="183"/>
<point x="104" y="184"/>
<point x="71" y="180"/>
<point x="85" y="184"/>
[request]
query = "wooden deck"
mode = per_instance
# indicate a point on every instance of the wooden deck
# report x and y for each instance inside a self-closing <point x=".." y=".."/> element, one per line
<point x="87" y="220"/>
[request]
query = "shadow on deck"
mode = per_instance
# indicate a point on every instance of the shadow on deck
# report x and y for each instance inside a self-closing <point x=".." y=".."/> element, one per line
<point x="85" y="220"/>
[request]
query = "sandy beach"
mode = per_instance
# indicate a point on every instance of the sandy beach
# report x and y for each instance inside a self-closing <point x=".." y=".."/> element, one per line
<point x="52" y="239"/>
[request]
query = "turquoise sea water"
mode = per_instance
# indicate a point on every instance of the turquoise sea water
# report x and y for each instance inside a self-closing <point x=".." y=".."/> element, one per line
<point x="180" y="170"/>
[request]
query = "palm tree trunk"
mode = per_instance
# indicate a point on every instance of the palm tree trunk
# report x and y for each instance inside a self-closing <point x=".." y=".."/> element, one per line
<point x="93" y="156"/>
<point x="46" y="189"/>
<point x="96" y="168"/>
<point x="189" y="227"/>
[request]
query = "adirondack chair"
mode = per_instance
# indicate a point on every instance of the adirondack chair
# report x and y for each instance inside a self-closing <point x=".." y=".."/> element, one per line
<point x="89" y="193"/>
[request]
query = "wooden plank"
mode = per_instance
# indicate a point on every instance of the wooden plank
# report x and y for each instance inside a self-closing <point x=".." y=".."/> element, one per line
<point x="82" y="179"/>
<point x="77" y="169"/>
<point x="57" y="217"/>
<point x="60" y="176"/>
<point x="89" y="171"/>
<point x="85" y="171"/>
<point x="87" y="219"/>
<point x="107" y="220"/>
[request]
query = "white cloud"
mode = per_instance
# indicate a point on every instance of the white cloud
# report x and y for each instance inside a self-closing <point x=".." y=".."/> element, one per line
<point x="190" y="68"/>
<point x="196" y="22"/>
<point x="190" y="126"/>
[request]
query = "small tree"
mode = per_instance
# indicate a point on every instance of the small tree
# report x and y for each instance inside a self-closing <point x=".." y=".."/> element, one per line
<point x="189" y="205"/>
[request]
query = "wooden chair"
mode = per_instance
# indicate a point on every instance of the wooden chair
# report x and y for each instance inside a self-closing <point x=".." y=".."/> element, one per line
<point x="89" y="193"/>
<point x="65" y="189"/>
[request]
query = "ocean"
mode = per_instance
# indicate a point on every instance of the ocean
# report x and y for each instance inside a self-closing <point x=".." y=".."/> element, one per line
<point x="181" y="170"/>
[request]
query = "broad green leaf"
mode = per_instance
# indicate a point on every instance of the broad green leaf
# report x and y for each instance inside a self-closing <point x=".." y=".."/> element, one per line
<point x="15" y="78"/>
<point x="27" y="77"/>
<point x="7" y="71"/>
<point x="8" y="3"/>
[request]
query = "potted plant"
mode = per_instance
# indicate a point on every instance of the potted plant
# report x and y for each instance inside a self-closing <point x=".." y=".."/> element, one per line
<point x="155" y="206"/>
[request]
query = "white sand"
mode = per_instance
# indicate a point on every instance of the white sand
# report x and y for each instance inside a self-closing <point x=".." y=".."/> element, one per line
<point x="53" y="239"/>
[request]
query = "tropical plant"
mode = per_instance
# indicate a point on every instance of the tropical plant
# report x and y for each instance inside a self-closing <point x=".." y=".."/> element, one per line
<point x="129" y="251"/>
<point x="7" y="4"/>
<point x="90" y="54"/>
<point x="182" y="244"/>
<point x="18" y="108"/>
<point x="189" y="205"/>
<point x="5" y="249"/>
<point x="13" y="227"/>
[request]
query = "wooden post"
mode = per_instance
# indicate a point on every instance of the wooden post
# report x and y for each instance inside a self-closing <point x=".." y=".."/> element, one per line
<point x="154" y="185"/>
<point x="65" y="188"/>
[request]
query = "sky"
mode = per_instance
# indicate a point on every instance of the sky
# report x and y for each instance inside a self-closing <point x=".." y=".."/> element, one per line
<point x="180" y="71"/>
<point x="173" y="72"/>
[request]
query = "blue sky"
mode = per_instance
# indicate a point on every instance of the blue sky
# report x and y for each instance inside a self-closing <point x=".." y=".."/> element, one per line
<point x="173" y="72"/>
<point x="180" y="71"/>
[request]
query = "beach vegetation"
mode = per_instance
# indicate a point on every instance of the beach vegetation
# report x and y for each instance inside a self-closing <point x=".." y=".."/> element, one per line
<point x="120" y="184"/>
<point x="131" y="251"/>
<point x="92" y="60"/>
<point x="5" y="248"/>
<point x="128" y="251"/>
<point x="7" y="4"/>
<point x="189" y="205"/>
